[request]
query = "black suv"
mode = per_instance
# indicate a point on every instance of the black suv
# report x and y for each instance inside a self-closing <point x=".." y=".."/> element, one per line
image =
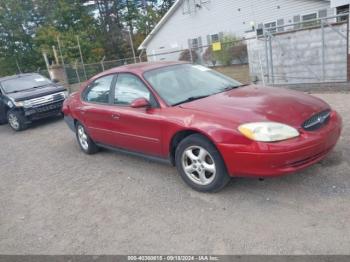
<point x="28" y="97"/>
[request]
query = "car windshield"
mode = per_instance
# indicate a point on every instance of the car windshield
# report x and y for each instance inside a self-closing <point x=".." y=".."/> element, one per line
<point x="24" y="82"/>
<point x="185" y="82"/>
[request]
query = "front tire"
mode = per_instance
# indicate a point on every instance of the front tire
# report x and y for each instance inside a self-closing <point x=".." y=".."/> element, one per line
<point x="200" y="164"/>
<point x="85" y="142"/>
<point x="16" y="120"/>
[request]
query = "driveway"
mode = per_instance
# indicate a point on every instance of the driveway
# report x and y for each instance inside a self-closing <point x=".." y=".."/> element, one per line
<point x="56" y="200"/>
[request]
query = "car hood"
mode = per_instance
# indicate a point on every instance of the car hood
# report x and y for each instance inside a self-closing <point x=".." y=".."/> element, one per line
<point x="253" y="103"/>
<point x="37" y="92"/>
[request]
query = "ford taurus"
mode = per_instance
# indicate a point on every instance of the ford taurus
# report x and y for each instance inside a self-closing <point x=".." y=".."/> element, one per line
<point x="209" y="126"/>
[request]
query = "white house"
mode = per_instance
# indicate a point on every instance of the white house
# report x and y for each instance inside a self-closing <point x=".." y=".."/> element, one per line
<point x="200" y="22"/>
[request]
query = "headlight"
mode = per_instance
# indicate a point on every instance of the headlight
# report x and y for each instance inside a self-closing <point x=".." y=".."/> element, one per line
<point x="19" y="104"/>
<point x="11" y="103"/>
<point x="268" y="131"/>
<point x="65" y="94"/>
<point x="25" y="104"/>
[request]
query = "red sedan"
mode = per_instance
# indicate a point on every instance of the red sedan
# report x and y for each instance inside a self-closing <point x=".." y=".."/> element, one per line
<point x="209" y="126"/>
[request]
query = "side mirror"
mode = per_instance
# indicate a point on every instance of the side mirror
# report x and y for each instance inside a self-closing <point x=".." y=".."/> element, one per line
<point x="140" y="102"/>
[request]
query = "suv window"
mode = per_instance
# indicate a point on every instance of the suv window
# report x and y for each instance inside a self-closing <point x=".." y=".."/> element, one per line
<point x="99" y="90"/>
<point x="128" y="88"/>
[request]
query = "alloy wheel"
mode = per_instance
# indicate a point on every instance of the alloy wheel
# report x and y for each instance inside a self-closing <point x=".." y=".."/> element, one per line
<point x="198" y="165"/>
<point x="83" y="138"/>
<point x="13" y="121"/>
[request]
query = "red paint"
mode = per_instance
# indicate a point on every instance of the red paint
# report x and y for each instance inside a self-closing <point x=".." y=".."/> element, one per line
<point x="150" y="130"/>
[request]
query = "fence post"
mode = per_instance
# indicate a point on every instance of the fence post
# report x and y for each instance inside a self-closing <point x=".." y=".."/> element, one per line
<point x="267" y="59"/>
<point x="63" y="65"/>
<point x="103" y="66"/>
<point x="323" y="52"/>
<point x="271" y="60"/>
<point x="76" y="70"/>
<point x="190" y="50"/>
<point x="81" y="57"/>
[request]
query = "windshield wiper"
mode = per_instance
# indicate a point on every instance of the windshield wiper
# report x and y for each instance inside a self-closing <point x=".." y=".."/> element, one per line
<point x="233" y="87"/>
<point x="39" y="86"/>
<point x="192" y="98"/>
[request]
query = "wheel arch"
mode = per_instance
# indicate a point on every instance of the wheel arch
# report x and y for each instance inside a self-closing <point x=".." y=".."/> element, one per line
<point x="181" y="135"/>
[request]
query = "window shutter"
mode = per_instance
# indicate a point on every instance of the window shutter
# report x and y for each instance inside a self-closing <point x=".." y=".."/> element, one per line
<point x="221" y="36"/>
<point x="208" y="40"/>
<point x="189" y="43"/>
<point x="200" y="46"/>
<point x="322" y="13"/>
<point x="280" y="22"/>
<point x="296" y="19"/>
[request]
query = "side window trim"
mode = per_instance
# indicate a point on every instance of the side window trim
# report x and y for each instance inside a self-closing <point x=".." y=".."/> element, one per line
<point x="112" y="93"/>
<point x="112" y="89"/>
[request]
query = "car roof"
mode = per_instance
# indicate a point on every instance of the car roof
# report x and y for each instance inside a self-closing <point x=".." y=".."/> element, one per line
<point x="16" y="76"/>
<point x="139" y="68"/>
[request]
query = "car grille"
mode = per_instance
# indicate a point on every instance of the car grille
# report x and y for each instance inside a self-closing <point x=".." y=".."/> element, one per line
<point x="317" y="121"/>
<point x="44" y="100"/>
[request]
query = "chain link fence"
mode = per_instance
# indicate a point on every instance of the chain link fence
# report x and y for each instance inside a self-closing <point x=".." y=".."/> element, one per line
<point x="78" y="72"/>
<point x="227" y="56"/>
<point x="309" y="52"/>
<point x="312" y="52"/>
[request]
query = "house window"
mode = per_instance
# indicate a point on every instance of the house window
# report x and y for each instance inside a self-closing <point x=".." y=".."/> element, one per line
<point x="342" y="10"/>
<point x="215" y="38"/>
<point x="270" y="27"/>
<point x="194" y="43"/>
<point x="308" y="20"/>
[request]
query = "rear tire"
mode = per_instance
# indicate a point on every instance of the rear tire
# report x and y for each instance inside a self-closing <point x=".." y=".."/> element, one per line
<point x="16" y="120"/>
<point x="200" y="164"/>
<point x="85" y="142"/>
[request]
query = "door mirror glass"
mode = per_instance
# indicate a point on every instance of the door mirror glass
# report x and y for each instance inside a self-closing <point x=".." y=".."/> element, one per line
<point x="139" y="103"/>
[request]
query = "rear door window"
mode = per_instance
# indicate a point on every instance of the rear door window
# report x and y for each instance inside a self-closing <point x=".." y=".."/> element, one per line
<point x="99" y="90"/>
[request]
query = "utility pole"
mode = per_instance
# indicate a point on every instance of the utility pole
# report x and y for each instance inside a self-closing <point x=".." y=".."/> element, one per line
<point x="130" y="40"/>
<point x="132" y="46"/>
<point x="81" y="58"/>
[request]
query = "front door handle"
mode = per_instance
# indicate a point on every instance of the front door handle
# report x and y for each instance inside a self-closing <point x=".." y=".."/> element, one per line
<point x="115" y="116"/>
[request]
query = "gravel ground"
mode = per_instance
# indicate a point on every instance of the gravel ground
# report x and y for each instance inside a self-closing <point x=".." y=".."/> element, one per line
<point x="56" y="200"/>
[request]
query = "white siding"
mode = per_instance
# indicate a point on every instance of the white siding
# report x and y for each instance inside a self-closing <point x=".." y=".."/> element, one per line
<point x="229" y="16"/>
<point x="335" y="3"/>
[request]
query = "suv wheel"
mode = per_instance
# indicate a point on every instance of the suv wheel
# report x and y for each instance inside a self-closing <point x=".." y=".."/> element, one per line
<point x="16" y="120"/>
<point x="85" y="142"/>
<point x="200" y="164"/>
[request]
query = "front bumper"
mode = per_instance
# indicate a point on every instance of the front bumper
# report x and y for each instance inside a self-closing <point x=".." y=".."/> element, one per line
<point x="70" y="122"/>
<point x="274" y="159"/>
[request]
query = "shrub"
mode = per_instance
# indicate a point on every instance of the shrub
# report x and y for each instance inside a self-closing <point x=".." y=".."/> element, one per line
<point x="208" y="56"/>
<point x="185" y="56"/>
<point x="231" y="48"/>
